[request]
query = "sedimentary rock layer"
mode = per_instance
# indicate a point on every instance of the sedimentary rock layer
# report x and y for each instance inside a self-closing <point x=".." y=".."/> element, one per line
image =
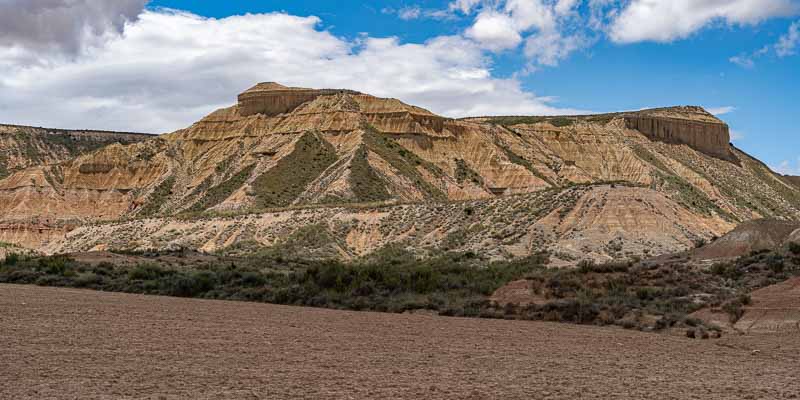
<point x="711" y="138"/>
<point x="291" y="148"/>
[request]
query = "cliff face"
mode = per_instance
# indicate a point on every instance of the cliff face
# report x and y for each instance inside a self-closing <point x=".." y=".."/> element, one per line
<point x="284" y="149"/>
<point x="684" y="125"/>
<point x="272" y="99"/>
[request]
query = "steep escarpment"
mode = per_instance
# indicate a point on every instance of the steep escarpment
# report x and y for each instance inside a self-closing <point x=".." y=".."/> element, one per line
<point x="24" y="146"/>
<point x="692" y="126"/>
<point x="686" y="125"/>
<point x="668" y="177"/>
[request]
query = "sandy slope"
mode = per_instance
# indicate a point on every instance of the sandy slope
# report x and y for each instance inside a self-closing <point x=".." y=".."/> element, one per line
<point x="61" y="343"/>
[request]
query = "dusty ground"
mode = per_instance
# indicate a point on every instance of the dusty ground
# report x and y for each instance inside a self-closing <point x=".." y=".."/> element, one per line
<point x="60" y="343"/>
<point x="774" y="309"/>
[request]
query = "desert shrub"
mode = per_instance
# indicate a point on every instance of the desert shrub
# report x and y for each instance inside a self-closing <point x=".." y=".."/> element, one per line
<point x="190" y="284"/>
<point x="11" y="259"/>
<point x="775" y="263"/>
<point x="642" y="296"/>
<point x="56" y="265"/>
<point x="735" y="308"/>
<point x="726" y="270"/>
<point x="588" y="266"/>
<point x="52" y="280"/>
<point x="87" y="279"/>
<point x="146" y="272"/>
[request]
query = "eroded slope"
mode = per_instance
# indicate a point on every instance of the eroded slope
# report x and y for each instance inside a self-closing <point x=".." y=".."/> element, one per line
<point x="677" y="180"/>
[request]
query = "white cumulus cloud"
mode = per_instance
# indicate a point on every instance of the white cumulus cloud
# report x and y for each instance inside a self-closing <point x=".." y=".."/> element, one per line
<point x="669" y="20"/>
<point x="494" y="31"/>
<point x="550" y="29"/>
<point x="170" y="68"/>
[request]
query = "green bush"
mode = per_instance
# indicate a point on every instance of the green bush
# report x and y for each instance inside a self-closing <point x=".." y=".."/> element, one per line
<point x="735" y="308"/>
<point x="146" y="272"/>
<point x="11" y="259"/>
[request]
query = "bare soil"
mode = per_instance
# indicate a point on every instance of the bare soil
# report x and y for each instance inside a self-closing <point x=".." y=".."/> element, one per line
<point x="774" y="309"/>
<point x="70" y="344"/>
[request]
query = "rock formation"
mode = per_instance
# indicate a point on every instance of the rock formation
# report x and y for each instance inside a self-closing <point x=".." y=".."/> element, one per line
<point x="692" y="126"/>
<point x="25" y="146"/>
<point x="373" y="164"/>
<point x="270" y="98"/>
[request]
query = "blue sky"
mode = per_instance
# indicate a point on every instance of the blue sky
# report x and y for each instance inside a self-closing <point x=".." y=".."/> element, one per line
<point x="456" y="57"/>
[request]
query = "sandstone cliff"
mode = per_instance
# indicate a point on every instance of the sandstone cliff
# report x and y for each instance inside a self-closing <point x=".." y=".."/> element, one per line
<point x="692" y="126"/>
<point x="334" y="152"/>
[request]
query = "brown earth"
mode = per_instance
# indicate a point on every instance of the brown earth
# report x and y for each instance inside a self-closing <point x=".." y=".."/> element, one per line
<point x="774" y="309"/>
<point x="757" y="235"/>
<point x="66" y="344"/>
<point x="519" y="293"/>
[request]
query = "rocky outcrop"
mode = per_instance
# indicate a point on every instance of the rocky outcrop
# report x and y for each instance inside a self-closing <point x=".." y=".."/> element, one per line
<point x="339" y="151"/>
<point x="271" y="98"/>
<point x="24" y="146"/>
<point x="684" y="125"/>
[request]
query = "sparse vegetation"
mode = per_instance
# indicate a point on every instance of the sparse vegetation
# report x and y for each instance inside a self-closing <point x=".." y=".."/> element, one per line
<point x="794" y="248"/>
<point x="559" y="122"/>
<point x="632" y="295"/>
<point x="367" y="186"/>
<point x="157" y="199"/>
<point x="465" y="173"/>
<point x="4" y="172"/>
<point x="735" y="307"/>
<point x="286" y="181"/>
<point x="690" y="196"/>
<point x="516" y="159"/>
<point x="219" y="193"/>
<point x="404" y="161"/>
<point x="452" y="284"/>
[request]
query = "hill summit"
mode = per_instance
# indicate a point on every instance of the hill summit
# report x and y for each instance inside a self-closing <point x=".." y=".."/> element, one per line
<point x="362" y="172"/>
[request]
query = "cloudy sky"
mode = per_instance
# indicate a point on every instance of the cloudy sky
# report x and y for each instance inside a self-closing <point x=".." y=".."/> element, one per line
<point x="158" y="65"/>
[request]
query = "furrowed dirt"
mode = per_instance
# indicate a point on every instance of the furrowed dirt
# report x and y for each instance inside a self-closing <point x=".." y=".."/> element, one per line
<point x="68" y="344"/>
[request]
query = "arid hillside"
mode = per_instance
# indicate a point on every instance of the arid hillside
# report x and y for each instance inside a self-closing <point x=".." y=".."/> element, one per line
<point x="24" y="146"/>
<point x="371" y="171"/>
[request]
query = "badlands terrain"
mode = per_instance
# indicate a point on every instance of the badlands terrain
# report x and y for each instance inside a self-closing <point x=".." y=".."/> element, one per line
<point x="370" y="171"/>
<point x="649" y="221"/>
<point x="67" y="344"/>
